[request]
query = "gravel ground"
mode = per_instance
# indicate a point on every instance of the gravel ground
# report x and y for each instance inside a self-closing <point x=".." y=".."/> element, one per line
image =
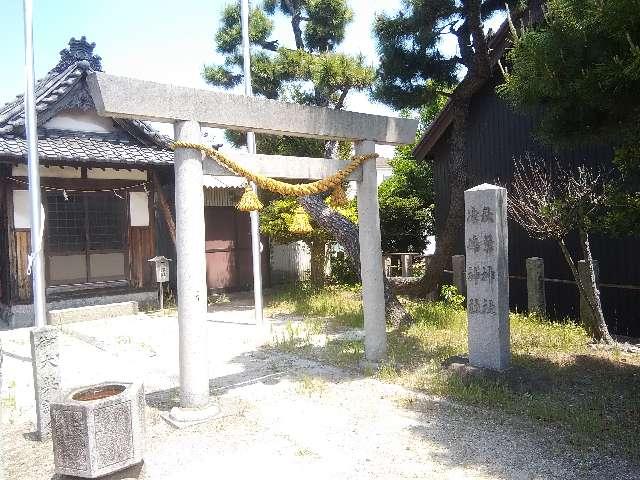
<point x="281" y="416"/>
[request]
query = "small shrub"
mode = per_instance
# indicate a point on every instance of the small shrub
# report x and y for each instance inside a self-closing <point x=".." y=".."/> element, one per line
<point x="343" y="271"/>
<point x="452" y="297"/>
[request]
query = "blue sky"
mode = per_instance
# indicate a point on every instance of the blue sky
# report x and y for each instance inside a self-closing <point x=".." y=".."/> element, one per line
<point x="163" y="40"/>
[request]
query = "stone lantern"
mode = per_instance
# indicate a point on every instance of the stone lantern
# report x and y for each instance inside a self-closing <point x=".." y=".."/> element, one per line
<point x="98" y="430"/>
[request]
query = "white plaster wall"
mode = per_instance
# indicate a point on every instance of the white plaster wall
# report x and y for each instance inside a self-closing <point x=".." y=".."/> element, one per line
<point x="112" y="173"/>
<point x="290" y="262"/>
<point x="139" y="209"/>
<point x="79" y="121"/>
<point x="382" y="174"/>
<point x="21" y="214"/>
<point x="55" y="172"/>
<point x="107" y="265"/>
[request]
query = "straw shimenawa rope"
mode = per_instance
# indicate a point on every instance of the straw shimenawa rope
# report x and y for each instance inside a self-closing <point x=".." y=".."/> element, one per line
<point x="296" y="190"/>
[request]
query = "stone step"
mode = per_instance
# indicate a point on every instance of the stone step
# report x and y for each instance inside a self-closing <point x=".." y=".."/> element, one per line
<point x="92" y="312"/>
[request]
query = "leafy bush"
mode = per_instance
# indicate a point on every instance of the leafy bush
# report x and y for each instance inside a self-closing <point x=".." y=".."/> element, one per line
<point x="452" y="297"/>
<point x="343" y="271"/>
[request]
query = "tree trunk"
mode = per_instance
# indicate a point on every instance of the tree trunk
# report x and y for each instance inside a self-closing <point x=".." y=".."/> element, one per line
<point x="583" y="289"/>
<point x="164" y="206"/>
<point x="296" y="18"/>
<point x="446" y="241"/>
<point x="346" y="234"/>
<point x="472" y="44"/>
<point x="318" y="262"/>
<point x="600" y="329"/>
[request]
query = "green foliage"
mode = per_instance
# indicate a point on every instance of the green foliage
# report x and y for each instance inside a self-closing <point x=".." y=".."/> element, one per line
<point x="406" y="198"/>
<point x="343" y="271"/>
<point x="404" y="224"/>
<point x="327" y="22"/>
<point x="452" y="297"/>
<point x="276" y="219"/>
<point x="311" y="74"/>
<point x="582" y="65"/>
<point x="413" y="70"/>
<point x="342" y="303"/>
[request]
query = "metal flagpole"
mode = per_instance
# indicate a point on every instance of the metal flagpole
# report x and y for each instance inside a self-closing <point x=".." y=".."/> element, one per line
<point x="251" y="147"/>
<point x="36" y="264"/>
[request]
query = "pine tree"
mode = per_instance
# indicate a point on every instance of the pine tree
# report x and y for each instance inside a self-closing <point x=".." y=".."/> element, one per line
<point x="582" y="63"/>
<point x="313" y="73"/>
<point x="413" y="72"/>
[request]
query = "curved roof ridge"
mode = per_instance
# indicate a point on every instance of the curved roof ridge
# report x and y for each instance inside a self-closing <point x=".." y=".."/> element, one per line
<point x="77" y="61"/>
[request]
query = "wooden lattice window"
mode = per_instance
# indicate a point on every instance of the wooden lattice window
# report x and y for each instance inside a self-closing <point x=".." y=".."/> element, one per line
<point x="106" y="221"/>
<point x="85" y="221"/>
<point x="65" y="222"/>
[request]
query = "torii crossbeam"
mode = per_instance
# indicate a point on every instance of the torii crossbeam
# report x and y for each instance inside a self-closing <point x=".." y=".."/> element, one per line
<point x="189" y="109"/>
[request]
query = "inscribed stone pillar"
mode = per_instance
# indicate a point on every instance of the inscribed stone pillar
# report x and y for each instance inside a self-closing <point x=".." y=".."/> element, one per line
<point x="191" y="264"/>
<point x="486" y="241"/>
<point x="45" y="361"/>
<point x="459" y="277"/>
<point x="586" y="317"/>
<point x="375" y="339"/>
<point x="535" y="286"/>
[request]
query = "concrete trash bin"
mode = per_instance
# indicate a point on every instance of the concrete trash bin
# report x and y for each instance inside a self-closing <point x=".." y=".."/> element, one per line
<point x="99" y="429"/>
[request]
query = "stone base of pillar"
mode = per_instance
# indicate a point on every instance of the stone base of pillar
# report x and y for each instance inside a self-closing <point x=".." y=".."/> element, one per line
<point x="180" y="417"/>
<point x="369" y="366"/>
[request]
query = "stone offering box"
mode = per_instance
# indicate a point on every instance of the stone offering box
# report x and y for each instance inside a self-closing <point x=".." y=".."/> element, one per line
<point x="98" y="430"/>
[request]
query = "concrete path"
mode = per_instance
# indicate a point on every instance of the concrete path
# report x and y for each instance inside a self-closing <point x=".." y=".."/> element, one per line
<point x="282" y="417"/>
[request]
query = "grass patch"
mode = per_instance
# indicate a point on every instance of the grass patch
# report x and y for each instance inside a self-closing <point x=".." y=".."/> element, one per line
<point x="310" y="386"/>
<point x="556" y="377"/>
<point x="341" y="304"/>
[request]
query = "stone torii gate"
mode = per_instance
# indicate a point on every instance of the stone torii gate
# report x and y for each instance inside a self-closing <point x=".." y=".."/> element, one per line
<point x="189" y="109"/>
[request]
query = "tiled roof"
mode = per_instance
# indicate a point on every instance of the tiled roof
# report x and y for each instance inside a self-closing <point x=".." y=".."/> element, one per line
<point x="80" y="147"/>
<point x="64" y="87"/>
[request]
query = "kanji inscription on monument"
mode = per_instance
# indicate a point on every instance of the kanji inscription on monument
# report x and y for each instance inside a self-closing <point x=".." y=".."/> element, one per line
<point x="486" y="243"/>
<point x="46" y="375"/>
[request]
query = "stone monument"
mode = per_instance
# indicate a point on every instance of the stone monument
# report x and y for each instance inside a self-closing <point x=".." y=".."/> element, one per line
<point x="486" y="242"/>
<point x="98" y="430"/>
<point x="536" y="299"/>
<point x="45" y="360"/>
<point x="457" y="266"/>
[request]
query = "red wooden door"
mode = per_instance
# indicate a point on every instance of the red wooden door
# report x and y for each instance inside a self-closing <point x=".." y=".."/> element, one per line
<point x="228" y="249"/>
<point x="220" y="240"/>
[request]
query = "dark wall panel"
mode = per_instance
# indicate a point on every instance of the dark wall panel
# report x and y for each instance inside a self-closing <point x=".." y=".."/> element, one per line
<point x="497" y="136"/>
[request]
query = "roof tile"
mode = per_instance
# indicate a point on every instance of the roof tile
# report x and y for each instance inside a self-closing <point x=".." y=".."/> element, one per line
<point x="81" y="149"/>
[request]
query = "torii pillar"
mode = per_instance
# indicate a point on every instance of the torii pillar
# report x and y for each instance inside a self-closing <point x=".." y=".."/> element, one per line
<point x="120" y="97"/>
<point x="191" y="269"/>
<point x="371" y="269"/>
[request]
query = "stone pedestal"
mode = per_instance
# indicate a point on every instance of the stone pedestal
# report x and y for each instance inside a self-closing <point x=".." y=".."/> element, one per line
<point x="486" y="241"/>
<point x="459" y="273"/>
<point x="537" y="302"/>
<point x="375" y="328"/>
<point x="98" y="430"/>
<point x="45" y="361"/>
<point x="586" y="316"/>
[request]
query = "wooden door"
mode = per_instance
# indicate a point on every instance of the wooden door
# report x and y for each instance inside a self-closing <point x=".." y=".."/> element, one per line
<point x="220" y="240"/>
<point x="228" y="249"/>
